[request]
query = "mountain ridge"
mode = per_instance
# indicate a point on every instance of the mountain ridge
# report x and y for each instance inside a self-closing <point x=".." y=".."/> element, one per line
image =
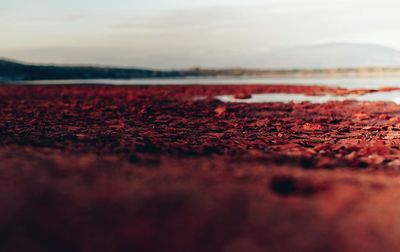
<point x="332" y="55"/>
<point x="314" y="61"/>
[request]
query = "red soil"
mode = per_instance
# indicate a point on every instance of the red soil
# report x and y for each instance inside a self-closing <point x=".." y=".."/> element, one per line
<point x="101" y="168"/>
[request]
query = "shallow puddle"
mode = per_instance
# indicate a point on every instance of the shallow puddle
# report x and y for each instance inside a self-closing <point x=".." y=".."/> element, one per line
<point x="392" y="96"/>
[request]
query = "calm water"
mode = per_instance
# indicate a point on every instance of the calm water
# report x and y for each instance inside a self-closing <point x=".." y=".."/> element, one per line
<point x="347" y="82"/>
<point x="392" y="96"/>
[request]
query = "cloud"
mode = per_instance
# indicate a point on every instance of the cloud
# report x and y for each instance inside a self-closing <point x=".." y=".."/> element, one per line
<point x="65" y="18"/>
<point x="178" y="33"/>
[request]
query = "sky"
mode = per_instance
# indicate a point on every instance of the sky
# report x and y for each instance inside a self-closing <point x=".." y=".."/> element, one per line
<point x="181" y="34"/>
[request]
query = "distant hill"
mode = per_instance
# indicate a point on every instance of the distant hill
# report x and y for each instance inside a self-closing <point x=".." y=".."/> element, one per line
<point x="15" y="71"/>
<point x="340" y="59"/>
<point x="333" y="55"/>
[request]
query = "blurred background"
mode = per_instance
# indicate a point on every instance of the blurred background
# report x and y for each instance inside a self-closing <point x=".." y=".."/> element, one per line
<point x="273" y="34"/>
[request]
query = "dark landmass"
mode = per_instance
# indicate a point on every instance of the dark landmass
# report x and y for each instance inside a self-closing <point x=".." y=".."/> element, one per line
<point x="11" y="71"/>
<point x="101" y="168"/>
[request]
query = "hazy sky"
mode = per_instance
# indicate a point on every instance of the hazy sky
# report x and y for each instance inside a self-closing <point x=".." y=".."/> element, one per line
<point x="185" y="33"/>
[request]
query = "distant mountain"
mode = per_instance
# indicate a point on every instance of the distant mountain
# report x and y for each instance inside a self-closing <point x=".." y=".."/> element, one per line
<point x="333" y="55"/>
<point x="15" y="71"/>
<point x="338" y="59"/>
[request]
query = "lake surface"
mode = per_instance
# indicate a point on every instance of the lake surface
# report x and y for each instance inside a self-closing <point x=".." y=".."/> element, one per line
<point x="345" y="82"/>
<point x="391" y="96"/>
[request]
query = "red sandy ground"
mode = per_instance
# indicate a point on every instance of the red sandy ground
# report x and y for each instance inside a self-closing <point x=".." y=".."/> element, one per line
<point x="101" y="168"/>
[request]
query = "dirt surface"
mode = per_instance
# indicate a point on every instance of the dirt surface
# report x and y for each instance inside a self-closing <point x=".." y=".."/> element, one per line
<point x="102" y="168"/>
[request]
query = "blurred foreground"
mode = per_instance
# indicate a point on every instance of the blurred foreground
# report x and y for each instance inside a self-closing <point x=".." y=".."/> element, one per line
<point x="89" y="168"/>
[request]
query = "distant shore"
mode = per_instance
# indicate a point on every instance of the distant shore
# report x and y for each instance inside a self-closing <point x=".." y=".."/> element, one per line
<point x="17" y="71"/>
